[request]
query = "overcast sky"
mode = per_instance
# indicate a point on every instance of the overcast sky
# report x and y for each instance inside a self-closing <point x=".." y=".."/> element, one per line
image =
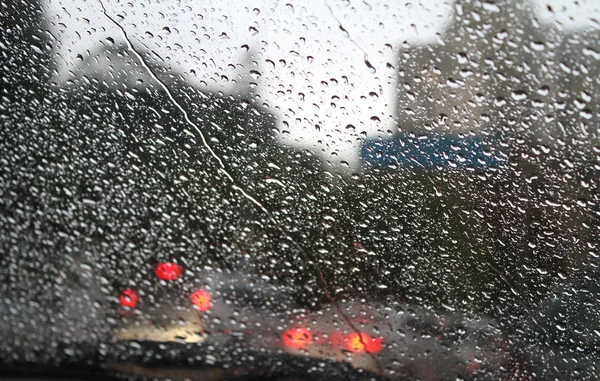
<point x="312" y="73"/>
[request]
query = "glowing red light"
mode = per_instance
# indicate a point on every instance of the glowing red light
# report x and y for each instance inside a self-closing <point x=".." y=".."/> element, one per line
<point x="129" y="298"/>
<point x="297" y="338"/>
<point x="201" y="299"/>
<point x="363" y="343"/>
<point x="168" y="270"/>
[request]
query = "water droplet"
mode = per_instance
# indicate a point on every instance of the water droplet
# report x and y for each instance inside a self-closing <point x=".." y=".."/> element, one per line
<point x="369" y="66"/>
<point x="518" y="95"/>
<point x="538" y="46"/>
<point x="586" y="114"/>
<point x="544" y="90"/>
<point x="462" y="58"/>
<point x="37" y="49"/>
<point x="500" y="101"/>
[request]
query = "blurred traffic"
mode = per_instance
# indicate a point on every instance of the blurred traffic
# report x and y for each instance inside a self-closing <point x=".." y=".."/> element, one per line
<point x="386" y="337"/>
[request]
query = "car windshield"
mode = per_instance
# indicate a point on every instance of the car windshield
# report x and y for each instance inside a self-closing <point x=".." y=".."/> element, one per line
<point x="302" y="190"/>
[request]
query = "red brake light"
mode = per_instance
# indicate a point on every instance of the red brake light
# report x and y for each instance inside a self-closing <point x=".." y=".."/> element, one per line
<point x="129" y="298"/>
<point x="363" y="343"/>
<point x="297" y="338"/>
<point x="168" y="270"/>
<point x="201" y="299"/>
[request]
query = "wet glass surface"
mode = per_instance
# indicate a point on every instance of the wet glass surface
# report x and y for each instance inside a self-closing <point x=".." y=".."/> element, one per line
<point x="300" y="190"/>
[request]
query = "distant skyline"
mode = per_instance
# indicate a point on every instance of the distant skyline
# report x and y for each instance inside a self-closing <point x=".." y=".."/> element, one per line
<point x="331" y="86"/>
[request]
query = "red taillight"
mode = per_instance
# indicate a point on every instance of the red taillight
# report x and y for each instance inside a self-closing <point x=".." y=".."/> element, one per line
<point x="201" y="299"/>
<point x="360" y="343"/>
<point x="168" y="270"/>
<point x="297" y="338"/>
<point x="129" y="298"/>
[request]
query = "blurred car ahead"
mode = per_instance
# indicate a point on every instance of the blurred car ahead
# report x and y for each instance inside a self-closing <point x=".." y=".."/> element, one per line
<point x="396" y="340"/>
